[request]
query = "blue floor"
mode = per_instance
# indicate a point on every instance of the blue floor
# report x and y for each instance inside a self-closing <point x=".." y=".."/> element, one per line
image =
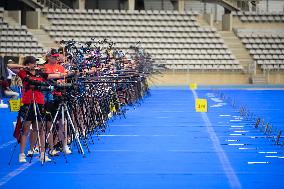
<point x="164" y="143"/>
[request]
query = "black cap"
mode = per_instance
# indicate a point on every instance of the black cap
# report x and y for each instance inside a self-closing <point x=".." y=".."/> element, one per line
<point x="53" y="52"/>
<point x="29" y="59"/>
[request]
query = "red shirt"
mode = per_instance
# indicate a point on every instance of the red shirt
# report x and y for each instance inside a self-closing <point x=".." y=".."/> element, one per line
<point x="52" y="69"/>
<point x="55" y="69"/>
<point x="27" y="95"/>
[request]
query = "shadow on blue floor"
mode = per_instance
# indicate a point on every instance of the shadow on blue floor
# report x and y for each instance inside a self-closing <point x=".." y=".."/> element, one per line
<point x="164" y="143"/>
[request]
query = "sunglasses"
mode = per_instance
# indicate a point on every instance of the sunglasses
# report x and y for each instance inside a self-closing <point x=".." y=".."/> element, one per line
<point x="53" y="57"/>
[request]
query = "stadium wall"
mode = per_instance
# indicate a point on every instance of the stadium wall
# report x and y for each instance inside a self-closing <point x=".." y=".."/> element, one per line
<point x="271" y="5"/>
<point x="207" y="78"/>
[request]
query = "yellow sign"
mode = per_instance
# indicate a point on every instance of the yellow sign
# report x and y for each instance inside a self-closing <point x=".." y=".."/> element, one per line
<point x="112" y="107"/>
<point x="193" y="86"/>
<point x="201" y="105"/>
<point x="15" y="105"/>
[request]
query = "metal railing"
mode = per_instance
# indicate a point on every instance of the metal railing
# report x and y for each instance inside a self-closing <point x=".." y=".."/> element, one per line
<point x="243" y="5"/>
<point x="53" y="4"/>
<point x="251" y="70"/>
<point x="233" y="3"/>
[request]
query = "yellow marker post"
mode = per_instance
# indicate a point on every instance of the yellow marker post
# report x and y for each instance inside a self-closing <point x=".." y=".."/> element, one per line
<point x="201" y="105"/>
<point x="15" y="105"/>
<point x="193" y="86"/>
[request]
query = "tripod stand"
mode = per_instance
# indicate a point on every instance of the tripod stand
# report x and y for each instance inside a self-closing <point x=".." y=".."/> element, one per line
<point x="64" y="111"/>
<point x="19" y="132"/>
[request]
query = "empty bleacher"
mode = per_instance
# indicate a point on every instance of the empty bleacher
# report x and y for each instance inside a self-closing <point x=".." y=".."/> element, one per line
<point x="174" y="39"/>
<point x="245" y="17"/>
<point x="17" y="40"/>
<point x="266" y="46"/>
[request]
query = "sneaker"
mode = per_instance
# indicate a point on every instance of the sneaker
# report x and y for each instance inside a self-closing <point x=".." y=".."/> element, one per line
<point x="30" y="153"/>
<point x="44" y="158"/>
<point x="67" y="150"/>
<point x="22" y="158"/>
<point x="58" y="147"/>
<point x="53" y="152"/>
<point x="36" y="151"/>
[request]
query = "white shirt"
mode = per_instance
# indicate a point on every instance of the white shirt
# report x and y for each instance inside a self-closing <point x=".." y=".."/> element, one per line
<point x="11" y="74"/>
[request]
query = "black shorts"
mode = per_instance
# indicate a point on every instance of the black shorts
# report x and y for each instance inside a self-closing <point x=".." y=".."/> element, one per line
<point x="27" y="112"/>
<point x="50" y="110"/>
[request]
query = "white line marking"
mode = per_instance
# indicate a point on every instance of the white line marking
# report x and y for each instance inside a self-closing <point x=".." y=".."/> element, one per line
<point x="236" y="144"/>
<point x="16" y="172"/>
<point x="267" y="152"/>
<point x="238" y="118"/>
<point x="227" y="167"/>
<point x="224" y="115"/>
<point x="271" y="156"/>
<point x="218" y="105"/>
<point x="257" y="162"/>
<point x="247" y="148"/>
<point x="8" y="144"/>
<point x="216" y="100"/>
<point x="234" y="128"/>
<point x="240" y="131"/>
<point x="257" y="136"/>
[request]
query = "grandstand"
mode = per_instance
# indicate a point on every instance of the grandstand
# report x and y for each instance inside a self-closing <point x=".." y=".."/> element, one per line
<point x="265" y="46"/>
<point x="208" y="42"/>
<point x="206" y="114"/>
<point x="16" y="39"/>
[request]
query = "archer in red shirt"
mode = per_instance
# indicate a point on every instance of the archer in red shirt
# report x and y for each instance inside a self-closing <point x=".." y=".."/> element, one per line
<point x="28" y="72"/>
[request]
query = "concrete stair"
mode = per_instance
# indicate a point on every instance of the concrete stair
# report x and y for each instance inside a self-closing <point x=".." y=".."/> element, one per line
<point x="218" y="25"/>
<point x="237" y="48"/>
<point x="40" y="35"/>
<point x="10" y="20"/>
<point x="43" y="38"/>
<point x="201" y="21"/>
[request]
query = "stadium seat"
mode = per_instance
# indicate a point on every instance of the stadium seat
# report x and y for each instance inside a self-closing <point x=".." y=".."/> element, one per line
<point x="169" y="34"/>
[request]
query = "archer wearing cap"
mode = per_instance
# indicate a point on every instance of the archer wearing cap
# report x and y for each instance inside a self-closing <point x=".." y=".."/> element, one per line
<point x="52" y="65"/>
<point x="27" y="73"/>
<point x="53" y="101"/>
